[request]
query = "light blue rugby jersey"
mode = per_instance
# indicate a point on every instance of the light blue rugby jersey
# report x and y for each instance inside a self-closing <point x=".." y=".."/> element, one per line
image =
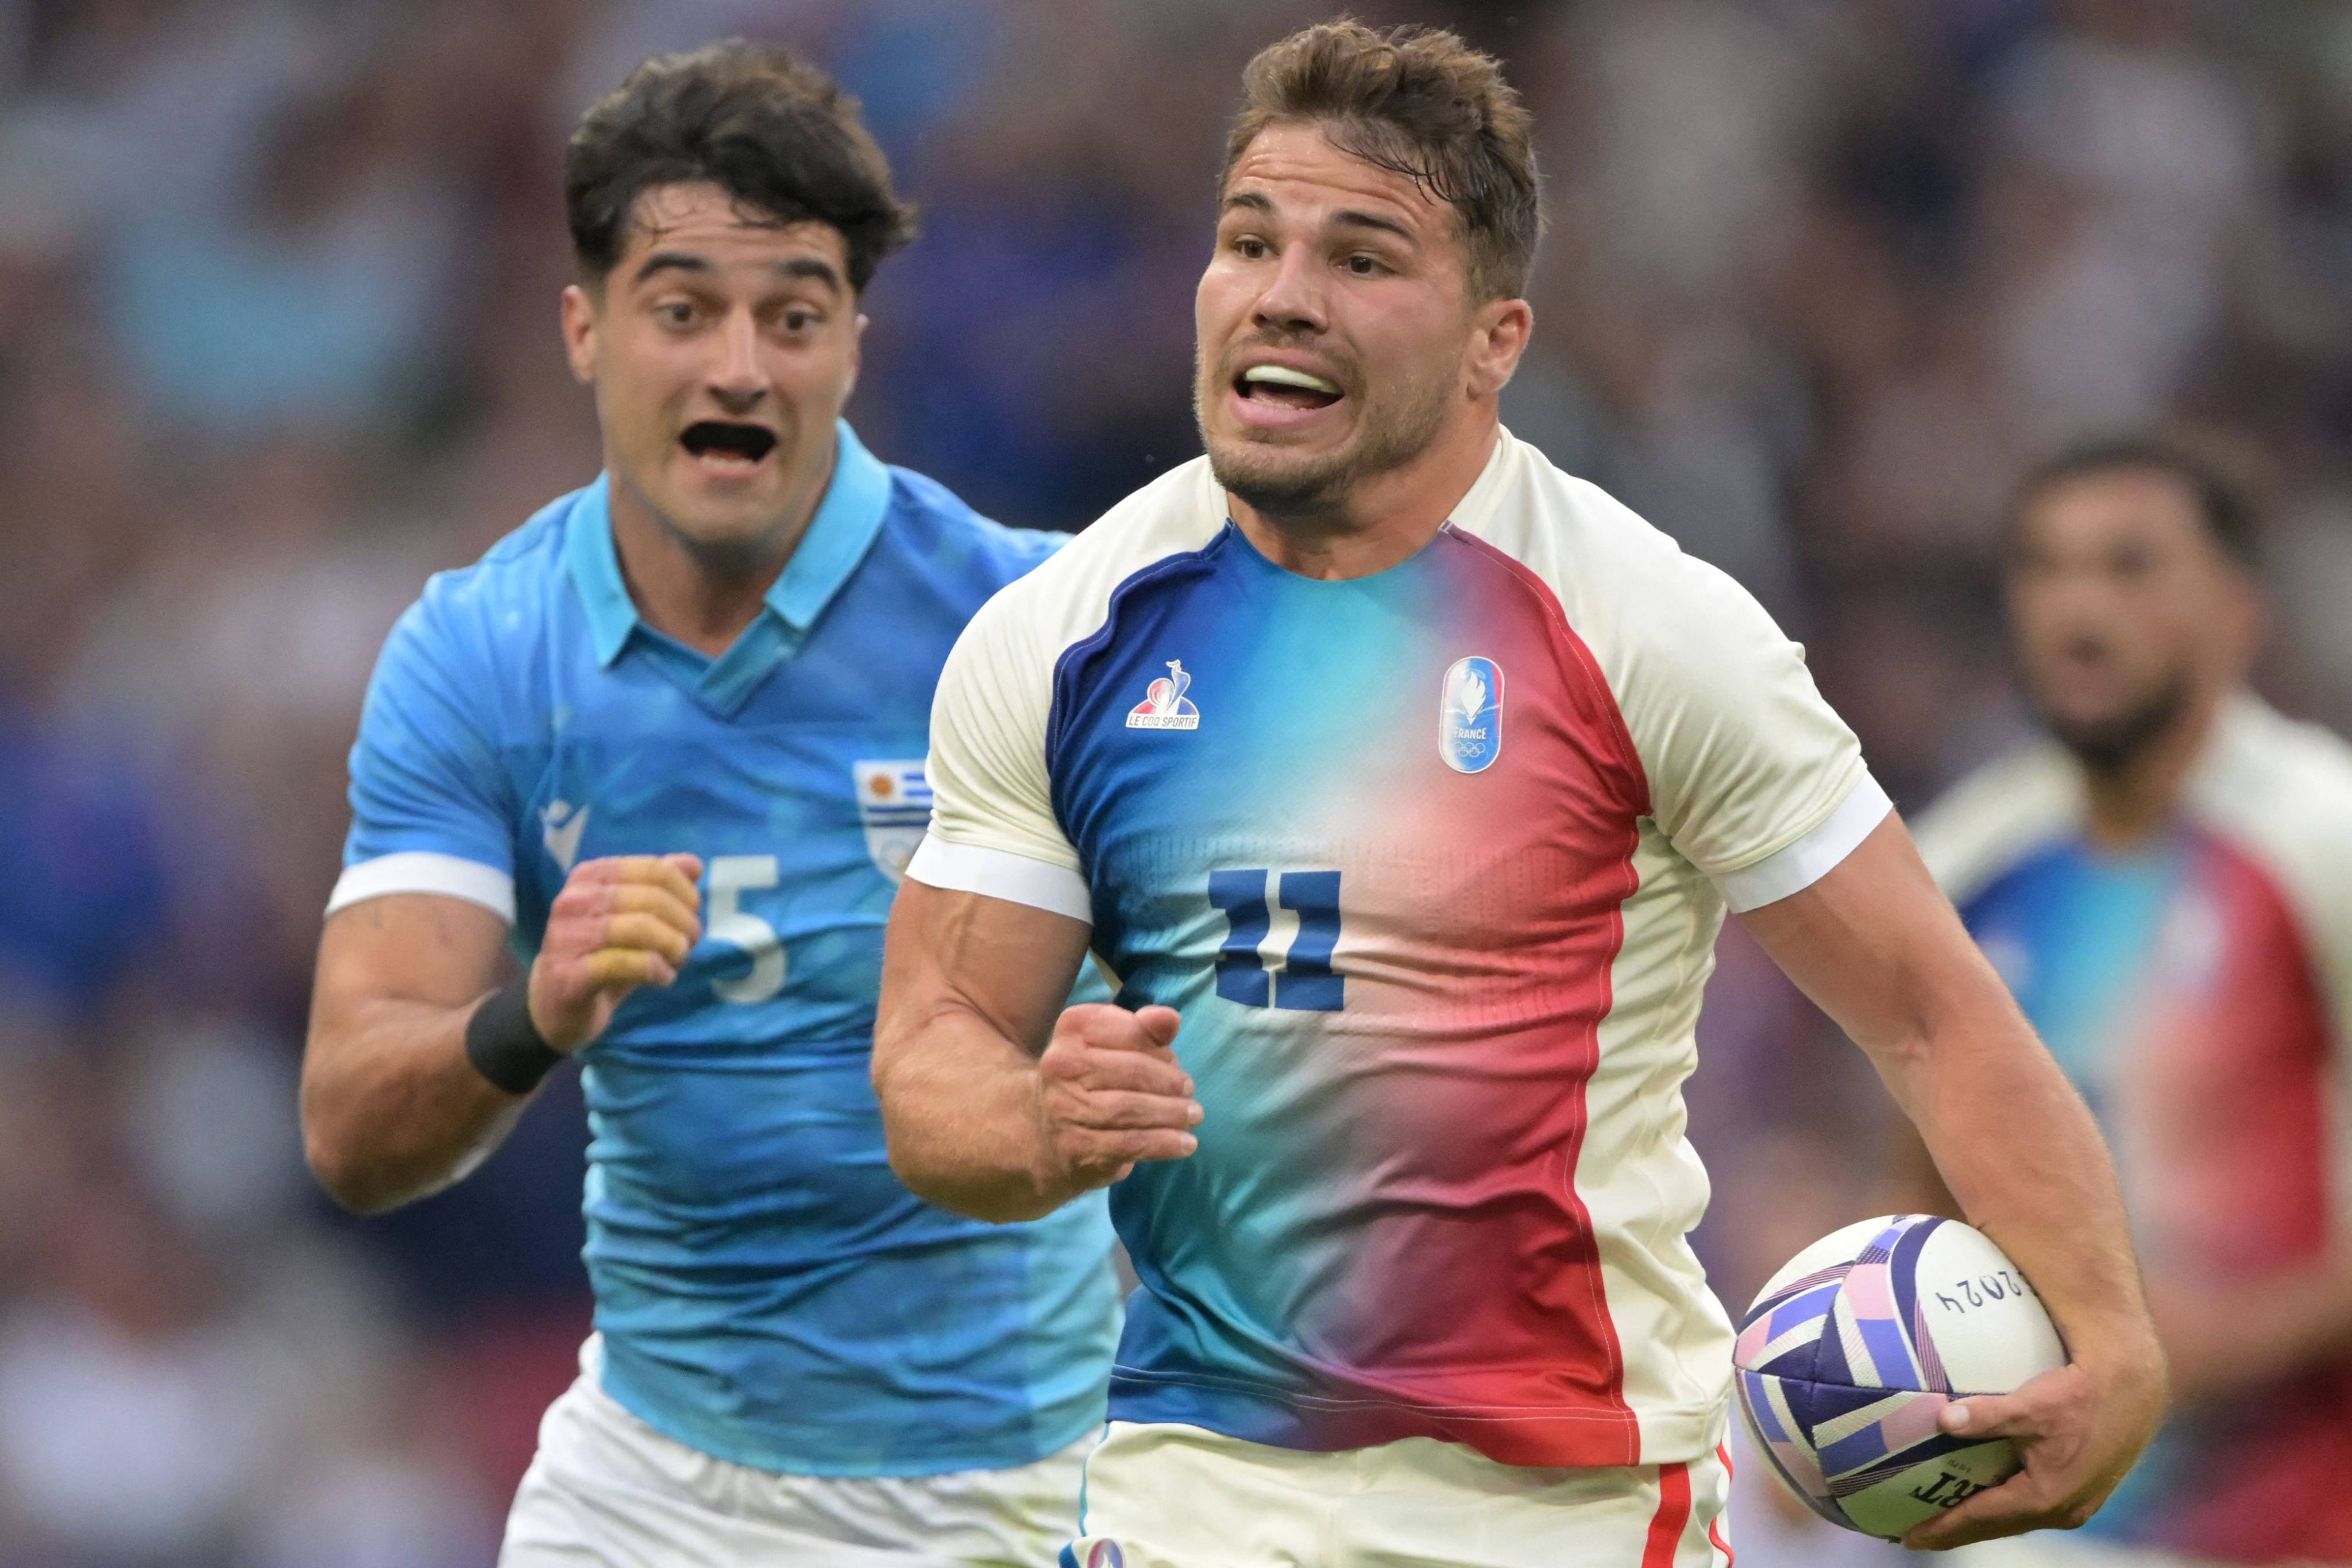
<point x="766" y="1291"/>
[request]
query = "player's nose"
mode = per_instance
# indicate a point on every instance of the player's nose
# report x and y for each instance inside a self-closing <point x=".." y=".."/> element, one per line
<point x="737" y="377"/>
<point x="1293" y="299"/>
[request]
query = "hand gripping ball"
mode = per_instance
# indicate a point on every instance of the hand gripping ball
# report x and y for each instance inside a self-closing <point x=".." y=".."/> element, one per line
<point x="1852" y="1351"/>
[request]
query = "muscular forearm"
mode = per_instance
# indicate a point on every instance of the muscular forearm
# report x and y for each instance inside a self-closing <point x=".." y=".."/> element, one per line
<point x="960" y="1111"/>
<point x="2020" y="1152"/>
<point x="1878" y="947"/>
<point x="996" y="1101"/>
<point x="392" y="1109"/>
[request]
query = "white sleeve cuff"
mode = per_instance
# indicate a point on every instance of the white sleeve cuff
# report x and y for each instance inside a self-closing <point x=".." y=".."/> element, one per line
<point x="1810" y="858"/>
<point x="423" y="871"/>
<point x="997" y="874"/>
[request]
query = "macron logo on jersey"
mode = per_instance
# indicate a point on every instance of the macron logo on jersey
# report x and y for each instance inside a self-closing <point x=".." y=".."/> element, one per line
<point x="560" y="828"/>
<point x="1164" y="704"/>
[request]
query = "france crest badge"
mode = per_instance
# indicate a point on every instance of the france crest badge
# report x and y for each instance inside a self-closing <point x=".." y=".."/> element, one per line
<point x="1470" y="715"/>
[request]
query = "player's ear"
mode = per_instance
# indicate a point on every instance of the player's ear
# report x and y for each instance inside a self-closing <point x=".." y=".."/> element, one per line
<point x="1499" y="330"/>
<point x="2247" y="619"/>
<point x="857" y="356"/>
<point x="580" y="332"/>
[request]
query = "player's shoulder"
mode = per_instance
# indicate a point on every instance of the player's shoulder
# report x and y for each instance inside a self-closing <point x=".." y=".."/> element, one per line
<point x="2278" y="785"/>
<point x="1649" y="612"/>
<point x="1068" y="596"/>
<point x="2265" y="763"/>
<point x="1998" y="815"/>
<point x="506" y="589"/>
<point x="1568" y="530"/>
<point x="2279" y="791"/>
<point x="481" y="634"/>
<point x="939" y="528"/>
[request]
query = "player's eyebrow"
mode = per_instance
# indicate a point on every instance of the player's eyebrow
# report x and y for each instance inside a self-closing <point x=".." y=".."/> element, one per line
<point x="1370" y="220"/>
<point x="1258" y="202"/>
<point x="672" y="261"/>
<point x="814" y="269"/>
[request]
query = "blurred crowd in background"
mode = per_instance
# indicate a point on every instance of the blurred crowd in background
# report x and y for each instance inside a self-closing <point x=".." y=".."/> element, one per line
<point x="277" y="289"/>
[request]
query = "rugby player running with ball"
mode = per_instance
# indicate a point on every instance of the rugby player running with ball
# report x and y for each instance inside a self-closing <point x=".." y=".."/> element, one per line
<point x="1403" y="781"/>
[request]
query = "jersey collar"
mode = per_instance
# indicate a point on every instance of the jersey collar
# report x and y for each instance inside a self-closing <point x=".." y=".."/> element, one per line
<point x="837" y="539"/>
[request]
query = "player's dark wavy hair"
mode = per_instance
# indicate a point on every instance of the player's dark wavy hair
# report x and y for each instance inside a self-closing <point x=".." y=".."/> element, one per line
<point x="1422" y="102"/>
<point x="2226" y="480"/>
<point x="775" y="133"/>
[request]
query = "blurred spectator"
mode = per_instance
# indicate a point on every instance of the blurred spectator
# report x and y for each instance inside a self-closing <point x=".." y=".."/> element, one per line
<point x="137" y="1422"/>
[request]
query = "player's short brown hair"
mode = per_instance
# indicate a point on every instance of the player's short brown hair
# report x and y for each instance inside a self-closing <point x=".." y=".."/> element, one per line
<point x="776" y="133"/>
<point x="2225" y="480"/>
<point x="1419" y="101"/>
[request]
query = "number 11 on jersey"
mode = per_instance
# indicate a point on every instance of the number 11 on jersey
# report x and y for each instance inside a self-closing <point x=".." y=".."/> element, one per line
<point x="1304" y="981"/>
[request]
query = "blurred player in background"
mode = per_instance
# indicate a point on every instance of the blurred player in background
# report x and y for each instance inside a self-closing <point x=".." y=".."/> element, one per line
<point x="2166" y="884"/>
<point x="1411" y="778"/>
<point x="670" y="732"/>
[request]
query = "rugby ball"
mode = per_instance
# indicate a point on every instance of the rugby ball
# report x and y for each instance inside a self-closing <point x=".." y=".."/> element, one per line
<point x="1850" y="1352"/>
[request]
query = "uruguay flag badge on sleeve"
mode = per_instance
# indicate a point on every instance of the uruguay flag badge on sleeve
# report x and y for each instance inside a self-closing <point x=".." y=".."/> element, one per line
<point x="894" y="806"/>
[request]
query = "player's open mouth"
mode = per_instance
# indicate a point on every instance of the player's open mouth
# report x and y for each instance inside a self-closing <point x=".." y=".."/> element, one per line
<point x="724" y="444"/>
<point x="1281" y="387"/>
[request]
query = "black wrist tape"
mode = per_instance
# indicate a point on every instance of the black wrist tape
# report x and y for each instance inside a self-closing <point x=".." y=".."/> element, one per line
<point x="504" y="1044"/>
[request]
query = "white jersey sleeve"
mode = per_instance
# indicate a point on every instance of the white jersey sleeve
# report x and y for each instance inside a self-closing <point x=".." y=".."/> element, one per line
<point x="993" y="826"/>
<point x="2282" y="790"/>
<point x="1752" y="776"/>
<point x="994" y="830"/>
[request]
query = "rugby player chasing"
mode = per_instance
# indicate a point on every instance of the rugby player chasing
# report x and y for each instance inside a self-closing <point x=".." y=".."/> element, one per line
<point x="667" y="737"/>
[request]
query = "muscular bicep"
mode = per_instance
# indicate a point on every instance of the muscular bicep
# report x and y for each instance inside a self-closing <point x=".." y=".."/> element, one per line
<point x="1010" y="964"/>
<point x="404" y="947"/>
<point x="1877" y="946"/>
<point x="390" y="1107"/>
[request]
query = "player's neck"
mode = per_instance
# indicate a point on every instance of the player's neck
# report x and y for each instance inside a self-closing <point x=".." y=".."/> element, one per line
<point x="703" y="596"/>
<point x="2136" y="797"/>
<point x="1383" y="521"/>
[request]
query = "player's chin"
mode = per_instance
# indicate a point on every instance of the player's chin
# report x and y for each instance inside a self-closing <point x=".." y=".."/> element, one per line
<point x="1279" y="476"/>
<point x="700" y="490"/>
<point x="723" y="521"/>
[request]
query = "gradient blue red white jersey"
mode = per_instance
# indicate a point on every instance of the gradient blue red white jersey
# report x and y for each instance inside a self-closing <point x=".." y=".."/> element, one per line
<point x="2198" y="990"/>
<point x="1432" y="863"/>
<point x="766" y="1290"/>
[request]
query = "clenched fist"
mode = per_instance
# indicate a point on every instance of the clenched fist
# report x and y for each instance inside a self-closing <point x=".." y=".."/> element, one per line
<point x="1110" y="1094"/>
<point x="620" y="922"/>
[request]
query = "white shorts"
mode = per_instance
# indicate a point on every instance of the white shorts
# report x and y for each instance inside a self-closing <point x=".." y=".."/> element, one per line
<point x="608" y="1490"/>
<point x="1178" y="1497"/>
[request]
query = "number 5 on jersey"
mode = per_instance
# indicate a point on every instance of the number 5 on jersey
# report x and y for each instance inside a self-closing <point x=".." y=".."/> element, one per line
<point x="1303" y="980"/>
<point x="730" y="876"/>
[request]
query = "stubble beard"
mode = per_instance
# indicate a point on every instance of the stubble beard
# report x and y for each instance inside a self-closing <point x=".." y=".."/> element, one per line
<point x="1281" y="482"/>
<point x="2109" y="745"/>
